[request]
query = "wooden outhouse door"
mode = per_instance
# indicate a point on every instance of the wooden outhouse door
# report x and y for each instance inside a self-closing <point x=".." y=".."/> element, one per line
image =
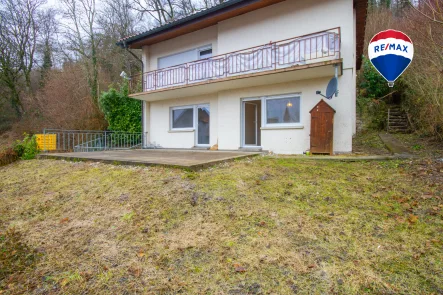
<point x="322" y="127"/>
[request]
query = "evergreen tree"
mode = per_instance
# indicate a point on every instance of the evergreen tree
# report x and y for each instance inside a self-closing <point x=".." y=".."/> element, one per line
<point x="47" y="62"/>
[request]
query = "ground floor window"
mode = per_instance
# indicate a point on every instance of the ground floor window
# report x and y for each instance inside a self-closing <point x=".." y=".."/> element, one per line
<point x="190" y="118"/>
<point x="282" y="110"/>
<point x="274" y="112"/>
<point x="182" y="117"/>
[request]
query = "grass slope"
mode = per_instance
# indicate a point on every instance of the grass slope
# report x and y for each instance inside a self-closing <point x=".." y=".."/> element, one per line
<point x="256" y="226"/>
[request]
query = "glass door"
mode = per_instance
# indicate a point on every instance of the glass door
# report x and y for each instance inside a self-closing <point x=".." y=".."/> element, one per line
<point x="203" y="120"/>
<point x="250" y="123"/>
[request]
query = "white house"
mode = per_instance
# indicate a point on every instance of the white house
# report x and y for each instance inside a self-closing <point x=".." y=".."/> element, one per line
<point x="244" y="75"/>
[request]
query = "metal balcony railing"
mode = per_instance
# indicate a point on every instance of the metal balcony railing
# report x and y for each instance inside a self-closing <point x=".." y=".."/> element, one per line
<point x="306" y="49"/>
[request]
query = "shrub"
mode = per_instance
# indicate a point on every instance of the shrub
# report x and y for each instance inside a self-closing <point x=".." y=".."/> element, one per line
<point x="8" y="156"/>
<point x="374" y="94"/>
<point x="374" y="111"/>
<point x="122" y="112"/>
<point x="27" y="149"/>
<point x="372" y="84"/>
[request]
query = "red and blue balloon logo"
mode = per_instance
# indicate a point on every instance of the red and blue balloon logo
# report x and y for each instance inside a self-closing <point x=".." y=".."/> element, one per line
<point x="391" y="52"/>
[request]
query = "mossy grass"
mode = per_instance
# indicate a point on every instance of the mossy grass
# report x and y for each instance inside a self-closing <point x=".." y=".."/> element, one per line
<point x="253" y="226"/>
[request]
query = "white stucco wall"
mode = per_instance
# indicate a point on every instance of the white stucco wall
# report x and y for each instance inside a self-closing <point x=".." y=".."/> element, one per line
<point x="289" y="19"/>
<point x="225" y="124"/>
<point x="280" y="21"/>
<point x="159" y="122"/>
<point x="288" y="141"/>
<point x="277" y="22"/>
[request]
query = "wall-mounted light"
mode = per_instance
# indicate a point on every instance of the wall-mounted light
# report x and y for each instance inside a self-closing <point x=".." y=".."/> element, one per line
<point x="125" y="76"/>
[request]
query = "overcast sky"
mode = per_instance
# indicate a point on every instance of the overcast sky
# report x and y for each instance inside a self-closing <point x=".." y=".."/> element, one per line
<point x="52" y="4"/>
<point x="56" y="3"/>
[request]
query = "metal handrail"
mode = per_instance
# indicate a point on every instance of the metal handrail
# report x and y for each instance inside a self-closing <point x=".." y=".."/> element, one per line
<point x="94" y="140"/>
<point x="226" y="65"/>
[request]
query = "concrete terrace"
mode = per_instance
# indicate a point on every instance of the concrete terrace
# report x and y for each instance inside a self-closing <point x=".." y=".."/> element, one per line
<point x="190" y="159"/>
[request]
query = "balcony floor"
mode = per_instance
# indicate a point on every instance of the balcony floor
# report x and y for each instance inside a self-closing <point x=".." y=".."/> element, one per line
<point x="295" y="73"/>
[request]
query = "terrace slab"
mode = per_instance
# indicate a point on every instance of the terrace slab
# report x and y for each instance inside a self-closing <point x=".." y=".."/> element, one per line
<point x="394" y="145"/>
<point x="190" y="159"/>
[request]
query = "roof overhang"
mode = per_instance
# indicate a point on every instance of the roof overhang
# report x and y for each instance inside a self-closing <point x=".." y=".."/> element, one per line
<point x="361" y="8"/>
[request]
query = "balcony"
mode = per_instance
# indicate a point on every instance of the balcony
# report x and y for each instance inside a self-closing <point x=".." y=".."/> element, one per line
<point x="303" y="52"/>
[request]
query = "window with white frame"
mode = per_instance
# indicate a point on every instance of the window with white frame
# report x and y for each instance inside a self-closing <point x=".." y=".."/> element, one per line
<point x="182" y="117"/>
<point x="184" y="57"/>
<point x="282" y="110"/>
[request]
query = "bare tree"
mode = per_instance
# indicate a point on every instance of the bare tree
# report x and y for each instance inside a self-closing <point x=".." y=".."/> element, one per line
<point x="117" y="18"/>
<point x="162" y="11"/>
<point x="18" y="43"/>
<point x="210" y="3"/>
<point x="431" y="9"/>
<point x="424" y="24"/>
<point x="186" y="7"/>
<point x="82" y="38"/>
<point x="48" y="31"/>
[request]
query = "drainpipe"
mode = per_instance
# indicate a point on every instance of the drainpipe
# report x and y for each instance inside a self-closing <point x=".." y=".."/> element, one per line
<point x="125" y="46"/>
<point x="132" y="53"/>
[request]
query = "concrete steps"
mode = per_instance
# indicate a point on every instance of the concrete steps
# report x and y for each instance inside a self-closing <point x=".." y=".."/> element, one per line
<point x="397" y="120"/>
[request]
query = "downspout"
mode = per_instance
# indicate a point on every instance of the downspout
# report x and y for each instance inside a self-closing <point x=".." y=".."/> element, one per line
<point x="125" y="46"/>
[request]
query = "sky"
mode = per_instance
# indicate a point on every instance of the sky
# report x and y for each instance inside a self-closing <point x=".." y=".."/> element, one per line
<point x="52" y="3"/>
<point x="56" y="3"/>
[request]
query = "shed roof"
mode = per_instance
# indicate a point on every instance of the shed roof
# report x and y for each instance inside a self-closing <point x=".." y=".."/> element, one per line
<point x="322" y="105"/>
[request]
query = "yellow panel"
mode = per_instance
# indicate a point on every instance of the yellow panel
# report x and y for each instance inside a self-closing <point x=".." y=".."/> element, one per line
<point x="46" y="142"/>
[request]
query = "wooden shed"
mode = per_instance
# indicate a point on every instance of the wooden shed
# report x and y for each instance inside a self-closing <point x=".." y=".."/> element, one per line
<point x="322" y="128"/>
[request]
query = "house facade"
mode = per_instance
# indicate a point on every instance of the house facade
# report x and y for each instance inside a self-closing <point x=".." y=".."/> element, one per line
<point x="244" y="75"/>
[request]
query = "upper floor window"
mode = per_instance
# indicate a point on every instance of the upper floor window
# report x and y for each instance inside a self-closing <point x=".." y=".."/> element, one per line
<point x="205" y="53"/>
<point x="184" y="57"/>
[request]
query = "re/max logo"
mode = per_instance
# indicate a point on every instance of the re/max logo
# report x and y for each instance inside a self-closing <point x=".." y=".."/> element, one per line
<point x="388" y="46"/>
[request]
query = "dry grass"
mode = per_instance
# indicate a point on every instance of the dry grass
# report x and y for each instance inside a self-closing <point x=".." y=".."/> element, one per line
<point x="266" y="225"/>
<point x="422" y="146"/>
<point x="368" y="142"/>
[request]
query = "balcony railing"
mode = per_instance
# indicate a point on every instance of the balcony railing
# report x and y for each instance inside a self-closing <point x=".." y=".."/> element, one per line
<point x="302" y="50"/>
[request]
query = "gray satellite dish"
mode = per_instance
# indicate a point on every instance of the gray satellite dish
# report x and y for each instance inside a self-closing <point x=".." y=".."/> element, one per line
<point x="331" y="89"/>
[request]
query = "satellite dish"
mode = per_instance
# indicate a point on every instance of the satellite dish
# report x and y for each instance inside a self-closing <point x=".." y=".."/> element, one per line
<point x="331" y="89"/>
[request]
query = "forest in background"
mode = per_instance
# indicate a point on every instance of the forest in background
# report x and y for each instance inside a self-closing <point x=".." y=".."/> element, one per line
<point x="56" y="61"/>
<point x="419" y="90"/>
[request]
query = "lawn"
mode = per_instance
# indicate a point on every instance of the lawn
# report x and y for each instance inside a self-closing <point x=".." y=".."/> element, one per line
<point x="368" y="142"/>
<point x="265" y="225"/>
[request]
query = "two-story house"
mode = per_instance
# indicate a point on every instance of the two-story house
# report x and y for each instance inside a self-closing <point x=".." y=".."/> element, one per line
<point x="244" y="75"/>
